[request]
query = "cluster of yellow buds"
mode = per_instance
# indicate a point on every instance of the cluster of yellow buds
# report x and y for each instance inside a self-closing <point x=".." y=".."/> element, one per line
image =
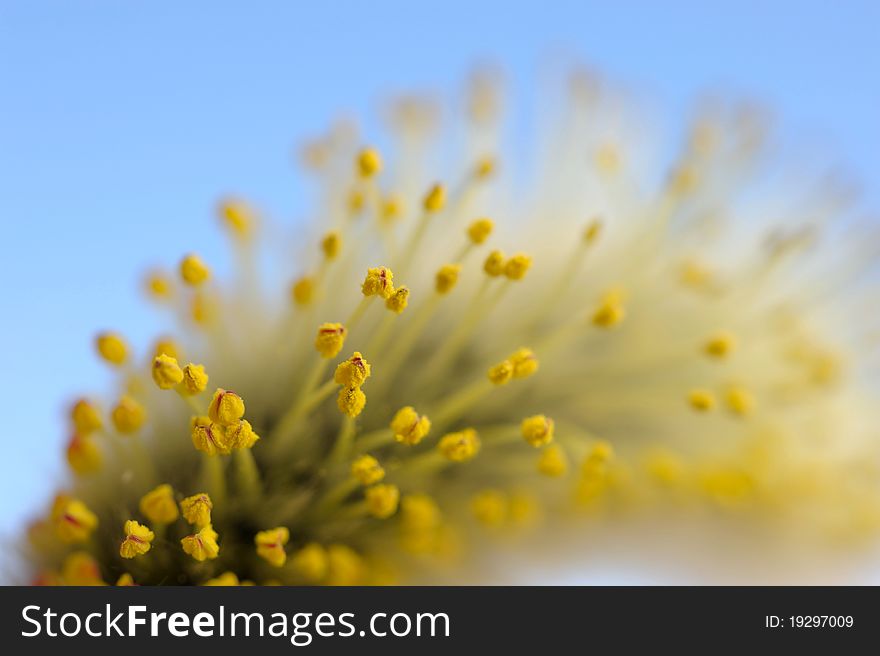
<point x="351" y="374"/>
<point x="224" y="429"/>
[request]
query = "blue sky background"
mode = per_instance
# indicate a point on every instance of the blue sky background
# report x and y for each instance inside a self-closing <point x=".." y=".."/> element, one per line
<point x="122" y="122"/>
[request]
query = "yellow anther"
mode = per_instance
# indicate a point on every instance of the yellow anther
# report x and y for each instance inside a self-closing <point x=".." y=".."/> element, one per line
<point x="409" y="427"/>
<point x="356" y="201"/>
<point x="238" y="216"/>
<point x="202" y="545"/>
<point x="553" y="461"/>
<point x="369" y="163"/>
<point x="311" y="562"/>
<point x="382" y="500"/>
<point x="351" y="401"/>
<point x="193" y="271"/>
<point x="241" y="435"/>
<point x="485" y="167"/>
<point x="501" y="373"/>
<point x="137" y="540"/>
<point x="608" y="159"/>
<point x="158" y="505"/>
<point x="460" y="446"/>
<point x="80" y="568"/>
<point x="494" y="263"/>
<point x="270" y="545"/>
<point x="330" y="339"/>
<point x="302" y="291"/>
<point x="197" y="509"/>
<point x="435" y="199"/>
<point x="345" y="566"/>
<point x="209" y="437"/>
<point x="419" y="512"/>
<point x="525" y="363"/>
<point x="479" y="230"/>
<point x="517" y="266"/>
<point x="352" y="372"/>
<point x="664" y="467"/>
<point x="392" y="208"/>
<point x="226" y="407"/>
<point x="367" y="470"/>
<point x="378" y="282"/>
<point x="537" y="430"/>
<point x="203" y="309"/>
<point x="159" y="285"/>
<point x="739" y="400"/>
<point x="128" y="415"/>
<point x="166" y="372"/>
<point x="83" y="455"/>
<point x="596" y="460"/>
<point x="398" y="301"/>
<point x="489" y="507"/>
<point x="112" y="348"/>
<point x="701" y="400"/>
<point x="592" y="231"/>
<point x="73" y="520"/>
<point x="167" y="346"/>
<point x="446" y="278"/>
<point x="86" y="417"/>
<point x="523" y="508"/>
<point x="609" y="313"/>
<point x="225" y="580"/>
<point x="125" y="580"/>
<point x="331" y="244"/>
<point x="195" y="380"/>
<point x="720" y="345"/>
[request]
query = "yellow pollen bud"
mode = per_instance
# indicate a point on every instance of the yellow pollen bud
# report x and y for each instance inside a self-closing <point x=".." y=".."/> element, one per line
<point x="392" y="208"/>
<point x="537" y="430"/>
<point x="167" y="346"/>
<point x="446" y="278"/>
<point x="352" y="372"/>
<point x="197" y="509"/>
<point x="330" y="339"/>
<point x="489" y="507"/>
<point x="193" y="271"/>
<point x="701" y="400"/>
<point x="158" y="505"/>
<point x="125" y="580"/>
<point x="137" y="540"/>
<point x="382" y="500"/>
<point x="209" y="437"/>
<point x="494" y="264"/>
<point x="356" y="201"/>
<point x="553" y="462"/>
<point x="479" y="230"/>
<point x="592" y="231"/>
<point x="595" y="463"/>
<point x="238" y="216"/>
<point x="501" y="373"/>
<point x="517" y="266"/>
<point x="720" y="345"/>
<point x="302" y="291"/>
<point x="241" y="435"/>
<point x="460" y="446"/>
<point x="79" y="568"/>
<point x="379" y="282"/>
<point x="195" y="380"/>
<point x="128" y="415"/>
<point x="311" y="562"/>
<point x="740" y="401"/>
<point x="226" y="407"/>
<point x="331" y="244"/>
<point x="419" y="512"/>
<point x="484" y="168"/>
<point x="202" y="545"/>
<point x="525" y="363"/>
<point x="369" y="162"/>
<point x="83" y="455"/>
<point x="409" y="427"/>
<point x="112" y="348"/>
<point x="608" y="314"/>
<point x="73" y="520"/>
<point x="270" y="545"/>
<point x="159" y="285"/>
<point x="367" y="470"/>
<point x="435" y="199"/>
<point x="86" y="417"/>
<point x="166" y="372"/>
<point x="344" y="564"/>
<point x="351" y="401"/>
<point x="398" y="301"/>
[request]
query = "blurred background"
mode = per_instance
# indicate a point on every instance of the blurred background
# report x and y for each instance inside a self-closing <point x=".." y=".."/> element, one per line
<point x="121" y="123"/>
